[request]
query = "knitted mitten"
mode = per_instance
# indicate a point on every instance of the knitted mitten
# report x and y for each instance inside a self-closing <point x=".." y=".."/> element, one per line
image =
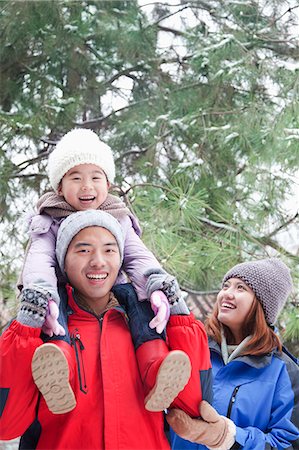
<point x="33" y="308"/>
<point x="160" y="280"/>
<point x="212" y="430"/>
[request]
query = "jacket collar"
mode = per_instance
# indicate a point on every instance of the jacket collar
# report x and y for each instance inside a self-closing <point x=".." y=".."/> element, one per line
<point x="257" y="362"/>
<point x="75" y="307"/>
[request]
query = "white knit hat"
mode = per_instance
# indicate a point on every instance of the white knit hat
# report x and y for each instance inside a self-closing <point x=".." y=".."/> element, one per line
<point x="79" y="146"/>
<point x="83" y="219"/>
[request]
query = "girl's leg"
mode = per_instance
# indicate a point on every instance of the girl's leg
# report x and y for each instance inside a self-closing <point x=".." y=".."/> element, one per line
<point x="163" y="372"/>
<point x="53" y="365"/>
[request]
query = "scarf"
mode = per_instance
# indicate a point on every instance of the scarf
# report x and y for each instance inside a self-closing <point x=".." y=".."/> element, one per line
<point x="230" y="352"/>
<point x="55" y="206"/>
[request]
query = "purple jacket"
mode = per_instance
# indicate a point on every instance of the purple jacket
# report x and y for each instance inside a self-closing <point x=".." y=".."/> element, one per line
<point x="40" y="262"/>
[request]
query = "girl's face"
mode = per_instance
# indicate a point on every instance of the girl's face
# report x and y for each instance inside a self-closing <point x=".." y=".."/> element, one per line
<point x="84" y="187"/>
<point x="234" y="303"/>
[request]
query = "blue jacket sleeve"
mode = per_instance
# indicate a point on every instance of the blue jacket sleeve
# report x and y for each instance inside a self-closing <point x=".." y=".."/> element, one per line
<point x="282" y="429"/>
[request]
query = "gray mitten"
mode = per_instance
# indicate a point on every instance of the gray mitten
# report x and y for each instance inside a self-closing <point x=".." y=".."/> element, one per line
<point x="160" y="280"/>
<point x="33" y="308"/>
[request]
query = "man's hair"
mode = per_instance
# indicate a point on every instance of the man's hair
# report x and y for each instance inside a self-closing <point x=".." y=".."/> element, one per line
<point x="263" y="339"/>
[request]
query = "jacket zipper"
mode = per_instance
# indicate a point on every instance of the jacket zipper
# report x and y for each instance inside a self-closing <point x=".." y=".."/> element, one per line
<point x="232" y="401"/>
<point x="79" y="347"/>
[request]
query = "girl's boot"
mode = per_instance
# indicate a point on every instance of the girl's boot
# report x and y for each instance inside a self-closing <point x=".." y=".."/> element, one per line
<point x="52" y="369"/>
<point x="164" y="373"/>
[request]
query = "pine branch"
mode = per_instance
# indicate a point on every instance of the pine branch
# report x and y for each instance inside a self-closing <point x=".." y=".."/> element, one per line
<point x="282" y="50"/>
<point x="131" y="152"/>
<point x="171" y="30"/>
<point x="28" y="175"/>
<point x="29" y="162"/>
<point x="271" y="243"/>
<point x="282" y="226"/>
<point x="289" y="10"/>
<point x="101" y="122"/>
<point x="218" y="225"/>
<point x="260" y="241"/>
<point x="124" y="72"/>
<point x="263" y="241"/>
<point x="141" y="151"/>
<point x="48" y="141"/>
<point x="167" y="16"/>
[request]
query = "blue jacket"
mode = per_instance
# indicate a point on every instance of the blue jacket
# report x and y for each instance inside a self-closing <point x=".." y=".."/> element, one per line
<point x="261" y="395"/>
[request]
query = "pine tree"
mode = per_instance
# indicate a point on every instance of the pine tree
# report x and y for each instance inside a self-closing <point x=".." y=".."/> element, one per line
<point x="204" y="130"/>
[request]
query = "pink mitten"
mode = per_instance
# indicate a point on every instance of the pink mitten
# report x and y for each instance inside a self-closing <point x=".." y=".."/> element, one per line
<point x="161" y="308"/>
<point x="51" y="325"/>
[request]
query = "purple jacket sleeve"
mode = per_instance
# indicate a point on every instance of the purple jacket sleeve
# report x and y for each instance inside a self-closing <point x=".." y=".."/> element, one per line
<point x="137" y="257"/>
<point x="40" y="261"/>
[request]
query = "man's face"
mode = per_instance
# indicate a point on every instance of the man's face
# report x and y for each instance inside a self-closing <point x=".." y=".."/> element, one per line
<point x="92" y="264"/>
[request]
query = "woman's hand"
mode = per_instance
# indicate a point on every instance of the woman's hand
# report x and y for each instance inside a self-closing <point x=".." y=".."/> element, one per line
<point x="212" y="430"/>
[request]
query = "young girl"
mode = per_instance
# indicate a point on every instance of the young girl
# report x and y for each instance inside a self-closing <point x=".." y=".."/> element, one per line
<point x="81" y="170"/>
<point x="256" y="384"/>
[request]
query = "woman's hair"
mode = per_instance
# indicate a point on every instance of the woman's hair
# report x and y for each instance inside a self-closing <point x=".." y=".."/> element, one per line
<point x="263" y="339"/>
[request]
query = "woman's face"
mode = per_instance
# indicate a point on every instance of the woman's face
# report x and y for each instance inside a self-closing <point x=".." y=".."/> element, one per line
<point x="234" y="303"/>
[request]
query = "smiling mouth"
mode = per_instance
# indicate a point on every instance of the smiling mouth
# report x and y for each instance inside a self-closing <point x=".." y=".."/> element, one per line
<point x="100" y="276"/>
<point x="227" y="305"/>
<point x="89" y="198"/>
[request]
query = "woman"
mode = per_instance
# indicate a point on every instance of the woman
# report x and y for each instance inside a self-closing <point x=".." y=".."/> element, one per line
<point x="256" y="385"/>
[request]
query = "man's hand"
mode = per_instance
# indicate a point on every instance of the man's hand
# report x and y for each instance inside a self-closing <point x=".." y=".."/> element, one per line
<point x="214" y="431"/>
<point x="161" y="308"/>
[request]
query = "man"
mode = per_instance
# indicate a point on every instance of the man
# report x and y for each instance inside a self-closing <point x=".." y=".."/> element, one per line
<point x="104" y="375"/>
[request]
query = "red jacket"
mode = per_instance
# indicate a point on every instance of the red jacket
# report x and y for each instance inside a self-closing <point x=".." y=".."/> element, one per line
<point x="111" y="414"/>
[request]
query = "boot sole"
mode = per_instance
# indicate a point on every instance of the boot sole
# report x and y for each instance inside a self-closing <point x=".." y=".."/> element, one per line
<point x="50" y="372"/>
<point x="172" y="377"/>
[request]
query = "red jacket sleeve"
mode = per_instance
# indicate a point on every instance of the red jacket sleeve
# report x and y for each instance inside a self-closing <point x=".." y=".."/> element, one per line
<point x="188" y="334"/>
<point x="18" y="393"/>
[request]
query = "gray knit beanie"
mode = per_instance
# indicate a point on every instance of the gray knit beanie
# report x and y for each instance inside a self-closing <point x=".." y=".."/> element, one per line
<point x="83" y="219"/>
<point x="79" y="146"/>
<point x="270" y="280"/>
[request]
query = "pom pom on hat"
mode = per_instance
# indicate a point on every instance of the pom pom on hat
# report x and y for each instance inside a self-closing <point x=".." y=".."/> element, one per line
<point x="79" y="146"/>
<point x="270" y="280"/>
<point x="77" y="221"/>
